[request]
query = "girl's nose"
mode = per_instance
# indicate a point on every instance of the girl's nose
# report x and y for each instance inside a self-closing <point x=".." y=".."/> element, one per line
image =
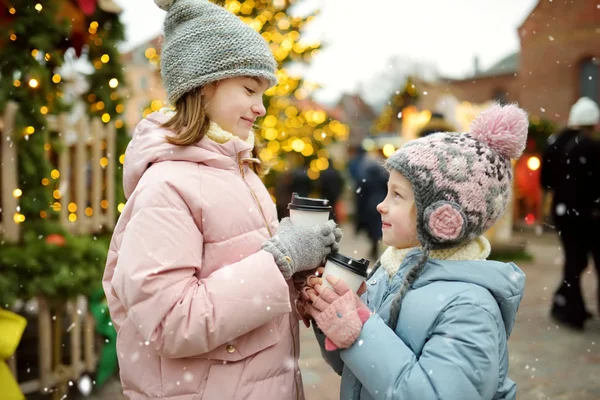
<point x="259" y="109"/>
<point x="381" y="207"/>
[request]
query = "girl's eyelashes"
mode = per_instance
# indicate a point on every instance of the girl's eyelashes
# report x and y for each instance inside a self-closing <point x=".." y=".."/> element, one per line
<point x="398" y="195"/>
<point x="250" y="91"/>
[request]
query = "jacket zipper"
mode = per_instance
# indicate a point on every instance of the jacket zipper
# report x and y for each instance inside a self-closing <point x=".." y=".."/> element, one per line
<point x="262" y="213"/>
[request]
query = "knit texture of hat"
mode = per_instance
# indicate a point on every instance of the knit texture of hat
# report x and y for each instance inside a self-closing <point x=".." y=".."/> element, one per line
<point x="205" y="43"/>
<point x="462" y="181"/>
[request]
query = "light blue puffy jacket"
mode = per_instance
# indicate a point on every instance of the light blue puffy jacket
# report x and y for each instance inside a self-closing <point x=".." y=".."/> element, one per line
<point x="451" y="339"/>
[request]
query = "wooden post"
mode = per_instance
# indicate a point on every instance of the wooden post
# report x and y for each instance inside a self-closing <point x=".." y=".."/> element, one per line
<point x="81" y="169"/>
<point x="97" y="137"/>
<point x="113" y="159"/>
<point x="89" y="329"/>
<point x="75" y="333"/>
<point x="10" y="229"/>
<point x="65" y="169"/>
<point x="44" y="343"/>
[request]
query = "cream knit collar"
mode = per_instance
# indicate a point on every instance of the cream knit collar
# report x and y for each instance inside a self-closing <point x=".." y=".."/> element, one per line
<point x="215" y="132"/>
<point x="221" y="136"/>
<point x="478" y="249"/>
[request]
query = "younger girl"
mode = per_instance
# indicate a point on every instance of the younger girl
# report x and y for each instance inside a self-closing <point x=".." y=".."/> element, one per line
<point x="441" y="313"/>
<point x="200" y="310"/>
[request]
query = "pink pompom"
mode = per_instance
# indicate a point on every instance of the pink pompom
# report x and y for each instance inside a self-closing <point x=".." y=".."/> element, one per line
<point x="503" y="128"/>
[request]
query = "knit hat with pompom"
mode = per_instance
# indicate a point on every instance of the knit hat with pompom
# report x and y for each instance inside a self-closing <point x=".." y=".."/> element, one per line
<point x="461" y="181"/>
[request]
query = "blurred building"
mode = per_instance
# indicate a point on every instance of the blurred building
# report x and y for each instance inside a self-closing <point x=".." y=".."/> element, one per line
<point x="144" y="83"/>
<point x="558" y="62"/>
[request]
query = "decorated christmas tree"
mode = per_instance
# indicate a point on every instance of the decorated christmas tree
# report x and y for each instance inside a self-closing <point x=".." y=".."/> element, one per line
<point x="35" y="40"/>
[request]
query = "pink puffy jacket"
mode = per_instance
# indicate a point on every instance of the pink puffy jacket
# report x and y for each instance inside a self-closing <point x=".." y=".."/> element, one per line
<point x="200" y="310"/>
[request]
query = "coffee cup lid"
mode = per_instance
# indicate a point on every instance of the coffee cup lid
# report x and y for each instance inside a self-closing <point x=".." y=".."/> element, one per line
<point x="359" y="267"/>
<point x="308" y="204"/>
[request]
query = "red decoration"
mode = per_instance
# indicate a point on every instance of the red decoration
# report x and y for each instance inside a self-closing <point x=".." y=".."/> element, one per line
<point x="55" y="239"/>
<point x="87" y="6"/>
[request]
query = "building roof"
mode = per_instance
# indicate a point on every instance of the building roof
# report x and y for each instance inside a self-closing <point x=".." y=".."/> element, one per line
<point x="507" y="65"/>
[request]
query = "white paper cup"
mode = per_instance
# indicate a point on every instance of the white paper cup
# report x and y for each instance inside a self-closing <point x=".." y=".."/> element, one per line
<point x="351" y="271"/>
<point x="308" y="212"/>
<point x="308" y="218"/>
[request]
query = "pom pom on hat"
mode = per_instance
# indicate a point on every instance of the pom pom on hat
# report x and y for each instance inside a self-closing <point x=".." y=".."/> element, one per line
<point x="164" y="4"/>
<point x="503" y="129"/>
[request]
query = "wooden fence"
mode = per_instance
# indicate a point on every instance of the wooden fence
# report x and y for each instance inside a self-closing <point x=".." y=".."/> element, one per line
<point x="84" y="177"/>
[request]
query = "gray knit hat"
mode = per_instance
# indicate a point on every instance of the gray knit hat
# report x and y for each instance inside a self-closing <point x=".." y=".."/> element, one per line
<point x="205" y="43"/>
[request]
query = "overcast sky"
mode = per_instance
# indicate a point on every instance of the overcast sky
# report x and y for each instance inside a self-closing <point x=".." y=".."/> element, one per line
<point x="363" y="35"/>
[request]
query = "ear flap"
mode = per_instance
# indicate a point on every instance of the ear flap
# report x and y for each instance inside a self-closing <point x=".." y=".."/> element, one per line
<point x="445" y="221"/>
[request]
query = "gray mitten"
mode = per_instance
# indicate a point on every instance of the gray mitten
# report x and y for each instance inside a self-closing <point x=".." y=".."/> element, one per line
<point x="297" y="248"/>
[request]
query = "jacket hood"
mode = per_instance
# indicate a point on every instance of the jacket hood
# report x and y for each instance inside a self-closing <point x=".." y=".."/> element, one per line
<point x="505" y="281"/>
<point x="149" y="146"/>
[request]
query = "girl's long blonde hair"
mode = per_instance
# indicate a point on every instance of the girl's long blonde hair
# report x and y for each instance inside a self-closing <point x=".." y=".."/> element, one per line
<point x="190" y="123"/>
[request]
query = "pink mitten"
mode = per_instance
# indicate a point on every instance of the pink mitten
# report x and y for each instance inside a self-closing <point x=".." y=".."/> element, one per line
<point x="341" y="321"/>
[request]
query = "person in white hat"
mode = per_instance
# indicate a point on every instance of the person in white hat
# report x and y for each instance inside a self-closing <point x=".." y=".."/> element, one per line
<point x="571" y="171"/>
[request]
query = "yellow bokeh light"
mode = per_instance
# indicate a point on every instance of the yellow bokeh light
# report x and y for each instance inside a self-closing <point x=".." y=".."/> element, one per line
<point x="104" y="204"/>
<point x="271" y="134"/>
<point x="106" y="117"/>
<point x="313" y="174"/>
<point x="122" y="159"/>
<point x="43" y="214"/>
<point x="38" y="7"/>
<point x="274" y="146"/>
<point x="17" y="83"/>
<point x="156" y="105"/>
<point x="56" y="206"/>
<point x="12" y="10"/>
<point x="100" y="105"/>
<point x="118" y="124"/>
<point x="120" y="108"/>
<point x="17" y="193"/>
<point x="103" y="162"/>
<point x="13" y="37"/>
<point x="56" y="194"/>
<point x="72" y="217"/>
<point x="44" y="110"/>
<point x="56" y="78"/>
<point x="270" y="121"/>
<point x="322" y="164"/>
<point x="45" y="181"/>
<point x="120" y="207"/>
<point x="388" y="149"/>
<point x="33" y="83"/>
<point x="18" y="218"/>
<point x="266" y="154"/>
<point x="105" y="58"/>
<point x="89" y="212"/>
<point x="34" y="52"/>
<point x="150" y="52"/>
<point x="55" y="174"/>
<point x="113" y="83"/>
<point x="298" y="145"/>
<point x="72" y="207"/>
<point x="30" y="130"/>
<point x="283" y="24"/>
<point x="308" y="150"/>
<point x="533" y="163"/>
<point x="47" y="146"/>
